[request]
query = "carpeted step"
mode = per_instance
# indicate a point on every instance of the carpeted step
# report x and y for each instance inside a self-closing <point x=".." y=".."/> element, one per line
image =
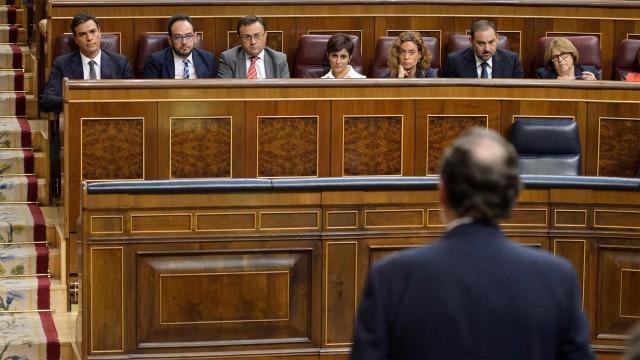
<point x="23" y="189"/>
<point x="22" y="162"/>
<point x="11" y="80"/>
<point x="24" y="260"/>
<point x="28" y="336"/>
<point x="13" y="56"/>
<point x="21" y="224"/>
<point x="14" y="103"/>
<point x="25" y="293"/>
<point x="20" y="133"/>
<point x="12" y="34"/>
<point x="10" y="14"/>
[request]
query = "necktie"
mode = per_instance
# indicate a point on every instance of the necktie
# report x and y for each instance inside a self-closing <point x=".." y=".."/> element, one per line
<point x="484" y="74"/>
<point x="185" y="73"/>
<point x="92" y="70"/>
<point x="253" y="72"/>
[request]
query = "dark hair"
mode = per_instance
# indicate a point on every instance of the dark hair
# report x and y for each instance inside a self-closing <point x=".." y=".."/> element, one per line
<point x="81" y="18"/>
<point x="482" y="25"/>
<point x="179" y="17"/>
<point x="338" y="42"/>
<point x="480" y="185"/>
<point x="248" y="20"/>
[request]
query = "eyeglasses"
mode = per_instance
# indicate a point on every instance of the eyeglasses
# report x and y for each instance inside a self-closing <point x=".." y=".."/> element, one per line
<point x="187" y="37"/>
<point x="410" y="52"/>
<point x="248" y="37"/>
<point x="561" y="56"/>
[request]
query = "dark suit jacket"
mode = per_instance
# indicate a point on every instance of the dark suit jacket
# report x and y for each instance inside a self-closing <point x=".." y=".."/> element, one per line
<point x="474" y="294"/>
<point x="160" y="64"/>
<point x="112" y="66"/>
<point x="462" y="64"/>
<point x="233" y="64"/>
<point x="546" y="73"/>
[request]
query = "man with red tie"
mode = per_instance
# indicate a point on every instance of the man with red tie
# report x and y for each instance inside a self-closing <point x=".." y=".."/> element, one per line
<point x="252" y="59"/>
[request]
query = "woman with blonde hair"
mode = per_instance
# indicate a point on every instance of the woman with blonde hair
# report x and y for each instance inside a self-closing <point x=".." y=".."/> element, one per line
<point x="409" y="57"/>
<point x="561" y="62"/>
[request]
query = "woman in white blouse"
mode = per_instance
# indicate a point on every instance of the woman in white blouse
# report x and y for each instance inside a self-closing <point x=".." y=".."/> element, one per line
<point x="339" y="52"/>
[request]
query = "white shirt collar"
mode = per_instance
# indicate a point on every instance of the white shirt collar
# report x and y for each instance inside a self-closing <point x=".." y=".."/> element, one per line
<point x="459" y="221"/>
<point x="480" y="61"/>
<point x="260" y="56"/>
<point x="85" y="60"/>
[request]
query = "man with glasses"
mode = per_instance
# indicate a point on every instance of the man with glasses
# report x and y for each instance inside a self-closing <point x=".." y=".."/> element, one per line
<point x="483" y="59"/>
<point x="182" y="60"/>
<point x="252" y="59"/>
<point x="89" y="62"/>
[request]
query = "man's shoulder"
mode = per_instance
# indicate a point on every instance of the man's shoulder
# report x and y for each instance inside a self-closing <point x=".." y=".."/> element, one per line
<point x="459" y="54"/>
<point x="160" y="54"/>
<point x="66" y="58"/>
<point x="203" y="52"/>
<point x="114" y="55"/>
<point x="275" y="53"/>
<point x="234" y="51"/>
<point x="506" y="53"/>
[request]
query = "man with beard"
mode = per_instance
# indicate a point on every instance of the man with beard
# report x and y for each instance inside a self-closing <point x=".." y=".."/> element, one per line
<point x="483" y="59"/>
<point x="252" y="59"/>
<point x="182" y="60"/>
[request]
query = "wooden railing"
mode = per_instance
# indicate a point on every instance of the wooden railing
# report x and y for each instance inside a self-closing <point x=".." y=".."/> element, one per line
<point x="258" y="267"/>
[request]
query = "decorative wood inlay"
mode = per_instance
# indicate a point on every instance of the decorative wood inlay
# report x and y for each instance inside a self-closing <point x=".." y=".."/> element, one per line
<point x="226" y="221"/>
<point x="574" y="218"/>
<point x="289" y="220"/>
<point x="107" y="224"/>
<point x="574" y="250"/>
<point x="287" y="146"/>
<point x="616" y="136"/>
<point x="259" y="292"/>
<point x="572" y="33"/>
<point x="112" y="148"/>
<point x="616" y="219"/>
<point x="434" y="218"/>
<point x="107" y="307"/>
<point x="275" y="40"/>
<point x="160" y="223"/>
<point x="442" y="130"/>
<point x="378" y="252"/>
<point x="342" y="219"/>
<point x="201" y="147"/>
<point x="341" y="291"/>
<point x="526" y="217"/>
<point x="372" y="145"/>
<point x="618" y="285"/>
<point x="394" y="218"/>
<point x="629" y="290"/>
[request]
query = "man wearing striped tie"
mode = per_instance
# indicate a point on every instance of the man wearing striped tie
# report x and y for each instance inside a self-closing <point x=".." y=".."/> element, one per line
<point x="252" y="59"/>
<point x="183" y="60"/>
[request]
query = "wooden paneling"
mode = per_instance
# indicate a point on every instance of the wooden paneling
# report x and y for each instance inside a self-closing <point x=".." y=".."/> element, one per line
<point x="256" y="272"/>
<point x="224" y="298"/>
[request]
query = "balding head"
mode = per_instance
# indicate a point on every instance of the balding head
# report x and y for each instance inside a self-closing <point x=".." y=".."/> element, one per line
<point x="479" y="173"/>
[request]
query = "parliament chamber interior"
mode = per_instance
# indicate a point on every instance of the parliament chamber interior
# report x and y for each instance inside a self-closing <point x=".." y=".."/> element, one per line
<point x="238" y="218"/>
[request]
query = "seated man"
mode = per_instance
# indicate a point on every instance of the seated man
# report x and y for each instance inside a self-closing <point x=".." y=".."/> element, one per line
<point x="252" y="59"/>
<point x="182" y="60"/>
<point x="89" y="62"/>
<point x="483" y="59"/>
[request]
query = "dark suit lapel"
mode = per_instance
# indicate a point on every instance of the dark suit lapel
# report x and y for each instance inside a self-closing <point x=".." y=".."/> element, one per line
<point x="497" y="68"/>
<point x="201" y="67"/>
<point x="169" y="65"/>
<point x="268" y="65"/>
<point x="106" y="66"/>
<point x="242" y="65"/>
<point x="75" y="66"/>
<point x="470" y="68"/>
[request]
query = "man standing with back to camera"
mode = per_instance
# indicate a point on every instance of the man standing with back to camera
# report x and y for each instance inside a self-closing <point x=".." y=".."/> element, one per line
<point x="252" y="59"/>
<point x="474" y="294"/>
<point x="483" y="59"/>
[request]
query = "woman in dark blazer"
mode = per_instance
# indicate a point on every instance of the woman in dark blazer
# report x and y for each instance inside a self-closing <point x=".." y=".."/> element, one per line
<point x="561" y="62"/>
<point x="409" y="57"/>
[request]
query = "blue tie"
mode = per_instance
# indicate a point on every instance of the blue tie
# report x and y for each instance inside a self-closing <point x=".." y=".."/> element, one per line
<point x="484" y="74"/>
<point x="185" y="74"/>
